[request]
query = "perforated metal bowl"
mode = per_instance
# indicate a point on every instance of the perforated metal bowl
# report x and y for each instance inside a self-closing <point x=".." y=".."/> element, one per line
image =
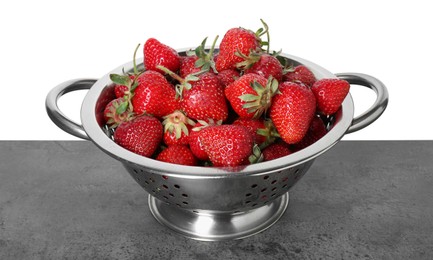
<point x="207" y="203"/>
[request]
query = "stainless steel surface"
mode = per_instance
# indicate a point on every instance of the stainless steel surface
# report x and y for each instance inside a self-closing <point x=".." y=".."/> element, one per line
<point x="218" y="193"/>
<point x="211" y="226"/>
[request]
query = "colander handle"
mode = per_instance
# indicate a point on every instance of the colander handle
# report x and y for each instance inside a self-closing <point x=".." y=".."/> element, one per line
<point x="62" y="121"/>
<point x="376" y="110"/>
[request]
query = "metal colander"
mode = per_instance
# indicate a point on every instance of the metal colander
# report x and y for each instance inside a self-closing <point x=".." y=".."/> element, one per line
<point x="208" y="203"/>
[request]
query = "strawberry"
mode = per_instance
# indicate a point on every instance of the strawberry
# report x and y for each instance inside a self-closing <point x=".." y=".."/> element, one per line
<point x="157" y="53"/>
<point x="194" y="142"/>
<point x="122" y="90"/>
<point x="292" y="111"/>
<point x="263" y="64"/>
<point x="301" y="74"/>
<point x="177" y="128"/>
<point x="254" y="125"/>
<point x="116" y="112"/>
<point x="316" y="131"/>
<point x="276" y="150"/>
<point x="227" y="145"/>
<point x="251" y="95"/>
<point x="177" y="154"/>
<point x="199" y="60"/>
<point x="119" y="90"/>
<point x="154" y="95"/>
<point x="205" y="99"/>
<point x="201" y="97"/>
<point x="329" y="94"/>
<point x="228" y="76"/>
<point x="141" y="135"/>
<point x="238" y="40"/>
<point x="187" y="66"/>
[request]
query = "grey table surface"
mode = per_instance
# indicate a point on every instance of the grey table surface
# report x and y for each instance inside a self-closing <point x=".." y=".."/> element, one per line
<point x="359" y="200"/>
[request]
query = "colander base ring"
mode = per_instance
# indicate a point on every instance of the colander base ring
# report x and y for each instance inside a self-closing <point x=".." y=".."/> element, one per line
<point x="217" y="226"/>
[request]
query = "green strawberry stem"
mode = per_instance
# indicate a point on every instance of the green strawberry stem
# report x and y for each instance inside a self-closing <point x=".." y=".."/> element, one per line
<point x="267" y="43"/>
<point x="184" y="83"/>
<point x="256" y="155"/>
<point x="249" y="60"/>
<point x="134" y="60"/>
<point x="177" y="122"/>
<point x="213" y="47"/>
<point x="205" y="60"/>
<point x="269" y="132"/>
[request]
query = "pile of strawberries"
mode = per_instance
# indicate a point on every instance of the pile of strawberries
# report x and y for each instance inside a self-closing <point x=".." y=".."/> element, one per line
<point x="233" y="106"/>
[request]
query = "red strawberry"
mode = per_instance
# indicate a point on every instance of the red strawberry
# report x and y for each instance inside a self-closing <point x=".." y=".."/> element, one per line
<point x="122" y="90"/>
<point x="316" y="131"/>
<point x="227" y="145"/>
<point x="276" y="150"/>
<point x="119" y="90"/>
<point x="157" y="53"/>
<point x="205" y="99"/>
<point x="236" y="40"/>
<point x="177" y="154"/>
<point x="154" y="95"/>
<point x="194" y="142"/>
<point x="263" y="64"/>
<point x="253" y="125"/>
<point x="177" y="128"/>
<point x="116" y="112"/>
<point x="292" y="111"/>
<point x="251" y="95"/>
<point x="228" y="76"/>
<point x="141" y="135"/>
<point x="330" y="93"/>
<point x="187" y="66"/>
<point x="301" y="74"/>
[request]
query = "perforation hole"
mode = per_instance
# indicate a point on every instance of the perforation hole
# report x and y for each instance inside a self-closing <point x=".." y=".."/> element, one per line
<point x="254" y="186"/>
<point x="176" y="186"/>
<point x="266" y="177"/>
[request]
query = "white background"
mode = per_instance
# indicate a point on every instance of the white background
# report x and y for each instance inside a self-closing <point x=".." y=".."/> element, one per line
<point x="44" y="43"/>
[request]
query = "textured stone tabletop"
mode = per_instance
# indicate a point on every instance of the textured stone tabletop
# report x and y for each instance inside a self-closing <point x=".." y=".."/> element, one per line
<point x="360" y="200"/>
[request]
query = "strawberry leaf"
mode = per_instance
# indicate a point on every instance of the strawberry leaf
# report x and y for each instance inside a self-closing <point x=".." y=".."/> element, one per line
<point x="122" y="108"/>
<point x="120" y="79"/>
<point x="248" y="97"/>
